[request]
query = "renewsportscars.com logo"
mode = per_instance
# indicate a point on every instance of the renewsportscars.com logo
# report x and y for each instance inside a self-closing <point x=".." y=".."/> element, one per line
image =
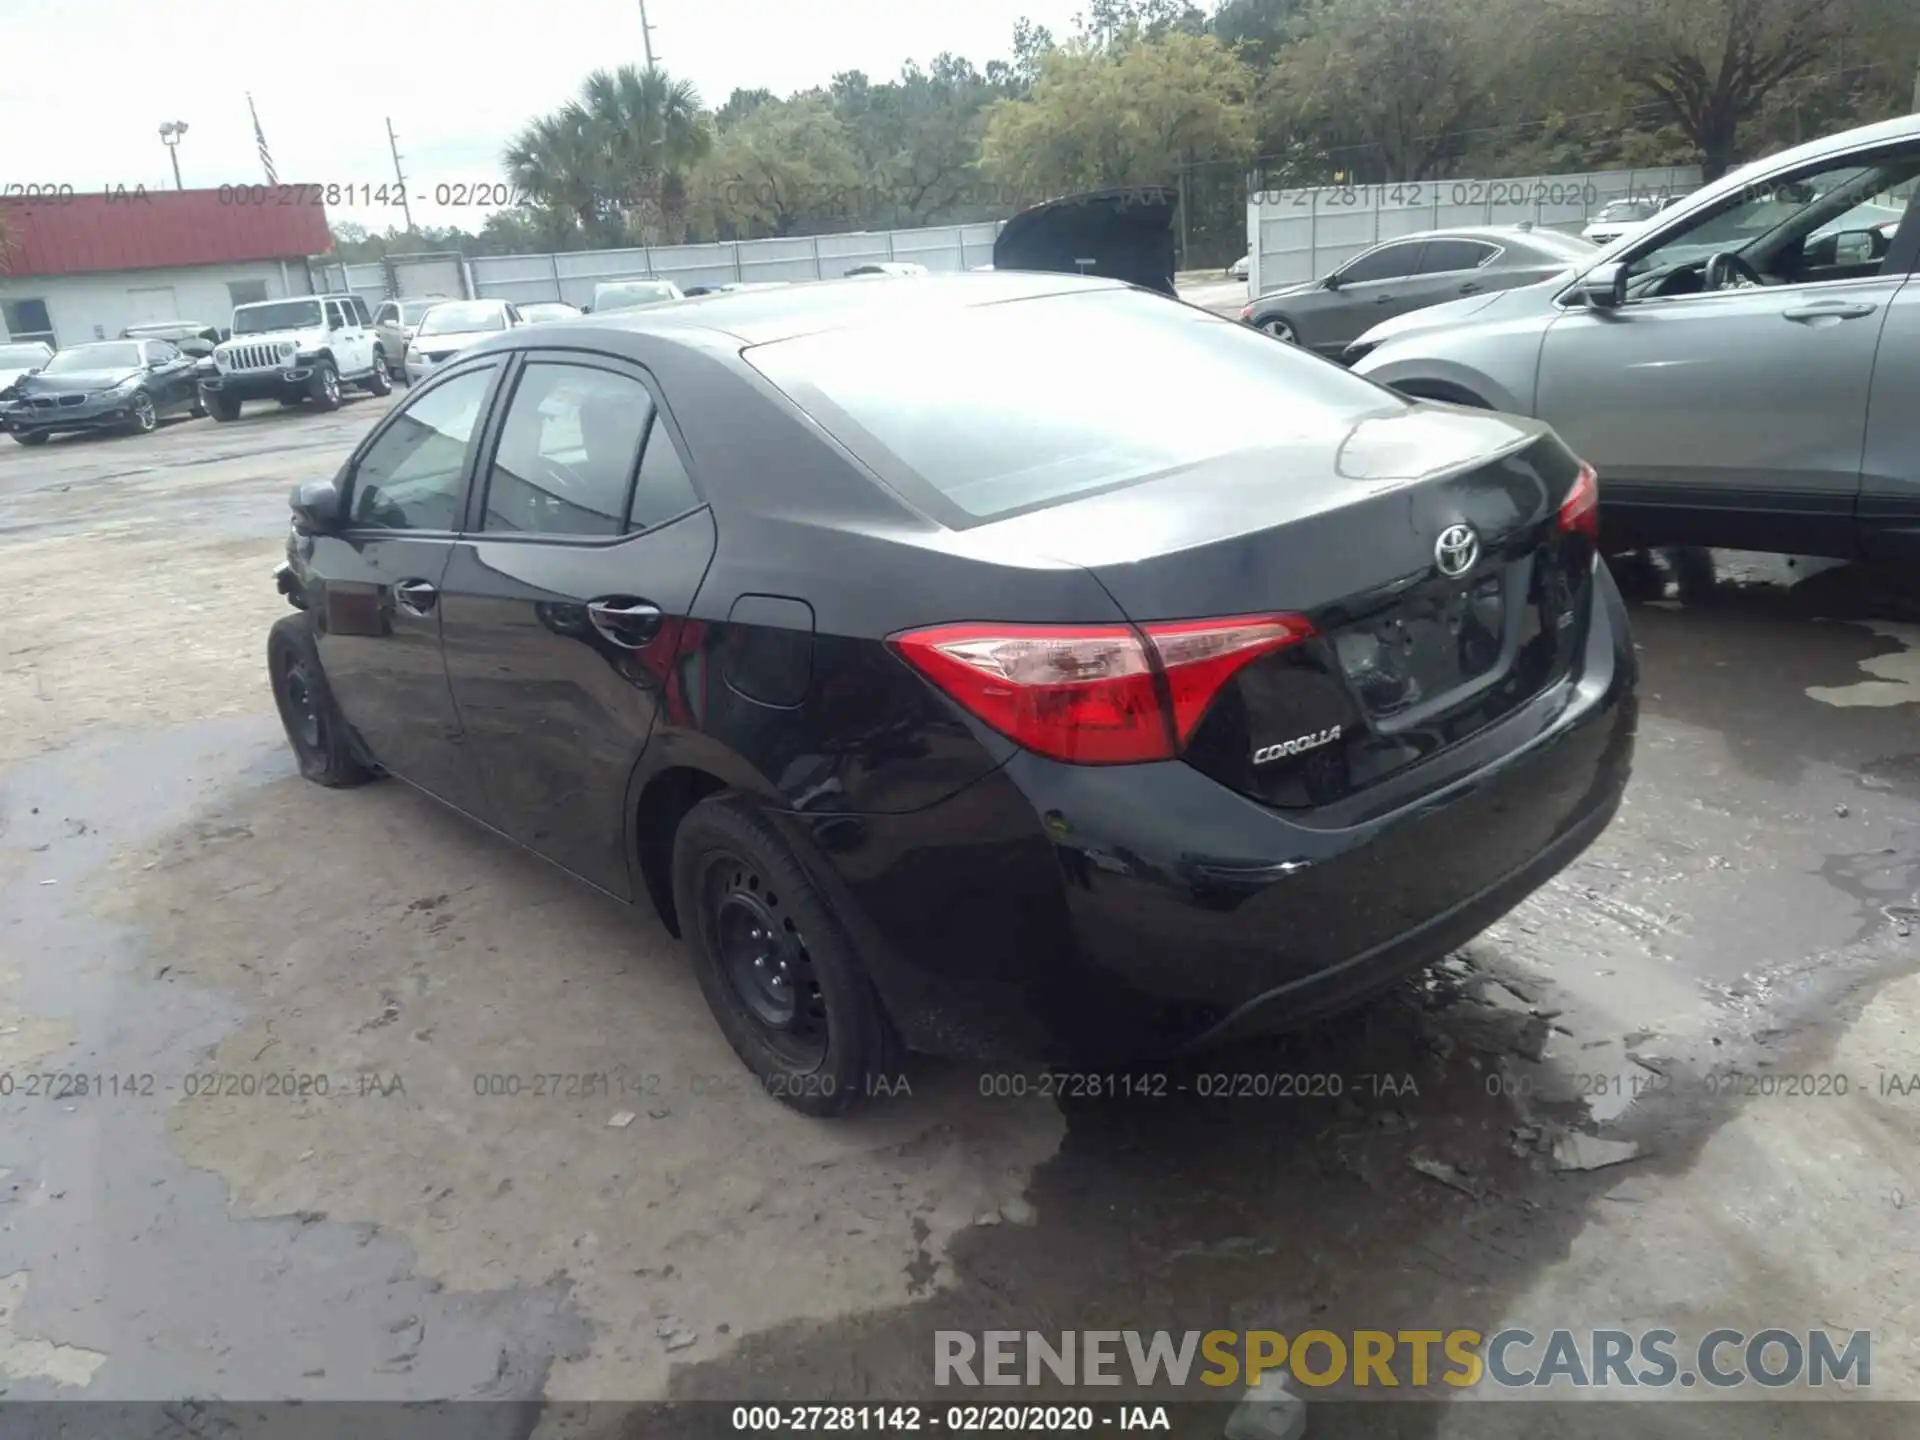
<point x="1507" y="1359"/>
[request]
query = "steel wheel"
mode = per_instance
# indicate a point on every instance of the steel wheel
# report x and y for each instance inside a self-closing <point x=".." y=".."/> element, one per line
<point x="1280" y="330"/>
<point x="764" y="958"/>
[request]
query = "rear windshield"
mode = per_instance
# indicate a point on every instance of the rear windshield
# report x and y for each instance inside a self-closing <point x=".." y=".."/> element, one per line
<point x="456" y="317"/>
<point x="1013" y="406"/>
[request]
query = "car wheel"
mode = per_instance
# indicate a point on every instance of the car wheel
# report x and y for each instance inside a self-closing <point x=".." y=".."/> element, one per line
<point x="774" y="962"/>
<point x="143" y="419"/>
<point x="199" y="410"/>
<point x="379" y="382"/>
<point x="1279" y="329"/>
<point x="1445" y="394"/>
<point x="223" y="407"/>
<point x="324" y="388"/>
<point x="314" y="728"/>
<point x="30" y="437"/>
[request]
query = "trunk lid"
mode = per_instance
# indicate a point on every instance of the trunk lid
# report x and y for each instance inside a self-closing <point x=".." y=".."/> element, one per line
<point x="1425" y="548"/>
<point x="1122" y="234"/>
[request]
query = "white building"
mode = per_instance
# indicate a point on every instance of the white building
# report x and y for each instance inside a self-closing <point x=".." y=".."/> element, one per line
<point x="82" y="266"/>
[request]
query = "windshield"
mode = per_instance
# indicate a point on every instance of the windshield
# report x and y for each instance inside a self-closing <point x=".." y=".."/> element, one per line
<point x="14" y="357"/>
<point x="457" y="317"/>
<point x="1559" y="246"/>
<point x="281" y="315"/>
<point x="626" y="297"/>
<point x="412" y="310"/>
<point x="95" y="357"/>
<point x="1032" y="402"/>
<point x="549" y="311"/>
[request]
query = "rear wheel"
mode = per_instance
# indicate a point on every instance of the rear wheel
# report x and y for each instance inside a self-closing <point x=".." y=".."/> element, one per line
<point x="324" y="388"/>
<point x="1447" y="394"/>
<point x="379" y="382"/>
<point x="223" y="407"/>
<point x="314" y="728"/>
<point x="30" y="437"/>
<point x="1278" y="327"/>
<point x="776" y="966"/>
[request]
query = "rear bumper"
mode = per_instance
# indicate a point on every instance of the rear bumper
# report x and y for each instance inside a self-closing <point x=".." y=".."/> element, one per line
<point x="1093" y="915"/>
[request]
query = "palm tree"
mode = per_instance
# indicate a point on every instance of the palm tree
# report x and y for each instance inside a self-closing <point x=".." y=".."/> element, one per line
<point x="625" y="144"/>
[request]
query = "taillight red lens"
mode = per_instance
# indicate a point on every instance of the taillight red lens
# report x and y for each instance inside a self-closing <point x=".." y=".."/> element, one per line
<point x="1580" y="511"/>
<point x="1091" y="694"/>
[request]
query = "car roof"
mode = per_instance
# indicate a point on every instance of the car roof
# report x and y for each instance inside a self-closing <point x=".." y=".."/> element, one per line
<point x="759" y="317"/>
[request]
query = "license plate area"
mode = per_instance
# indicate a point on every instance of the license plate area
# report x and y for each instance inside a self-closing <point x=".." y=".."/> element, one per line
<point x="1445" y="637"/>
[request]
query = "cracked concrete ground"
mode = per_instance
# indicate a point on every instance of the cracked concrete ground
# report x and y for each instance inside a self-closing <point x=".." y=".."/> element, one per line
<point x="293" y="1174"/>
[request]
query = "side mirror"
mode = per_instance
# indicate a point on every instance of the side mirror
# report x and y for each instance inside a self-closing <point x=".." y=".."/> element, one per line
<point x="1854" y="247"/>
<point x="316" y="507"/>
<point x="586" y="309"/>
<point x="1332" y="282"/>
<point x="1605" y="286"/>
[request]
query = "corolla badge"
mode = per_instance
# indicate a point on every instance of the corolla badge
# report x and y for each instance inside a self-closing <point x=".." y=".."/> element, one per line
<point x="1456" y="551"/>
<point x="1299" y="745"/>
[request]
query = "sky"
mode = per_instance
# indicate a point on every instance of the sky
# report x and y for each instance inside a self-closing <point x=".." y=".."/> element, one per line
<point x="84" y="102"/>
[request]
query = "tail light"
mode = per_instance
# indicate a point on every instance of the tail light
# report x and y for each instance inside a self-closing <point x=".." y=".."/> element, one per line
<point x="1094" y="694"/>
<point x="1246" y="312"/>
<point x="1580" y="511"/>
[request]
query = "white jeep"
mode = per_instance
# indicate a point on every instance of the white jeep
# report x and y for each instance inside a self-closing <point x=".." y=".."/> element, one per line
<point x="304" y="348"/>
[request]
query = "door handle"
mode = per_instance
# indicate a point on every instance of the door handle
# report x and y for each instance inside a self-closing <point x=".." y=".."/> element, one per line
<point x="1470" y="288"/>
<point x="1383" y="299"/>
<point x="415" y="596"/>
<point x="627" y="622"/>
<point x="1832" y="310"/>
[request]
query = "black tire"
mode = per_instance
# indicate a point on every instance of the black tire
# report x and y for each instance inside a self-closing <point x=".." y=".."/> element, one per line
<point x="223" y="407"/>
<point x="379" y="382"/>
<point x="142" y="418"/>
<point x="324" y="388"/>
<point x="762" y="936"/>
<point x="30" y="437"/>
<point x="199" y="410"/>
<point x="314" y="727"/>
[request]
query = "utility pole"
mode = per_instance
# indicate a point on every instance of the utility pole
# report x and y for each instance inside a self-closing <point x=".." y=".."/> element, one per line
<point x="393" y="144"/>
<point x="646" y="34"/>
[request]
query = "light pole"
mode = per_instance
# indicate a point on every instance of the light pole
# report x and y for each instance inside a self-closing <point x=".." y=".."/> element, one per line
<point x="170" y="134"/>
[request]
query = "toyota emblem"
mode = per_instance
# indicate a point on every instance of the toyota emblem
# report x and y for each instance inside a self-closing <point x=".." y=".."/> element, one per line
<point x="1456" y="551"/>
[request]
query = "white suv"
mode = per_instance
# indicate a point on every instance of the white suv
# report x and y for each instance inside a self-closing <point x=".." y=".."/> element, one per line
<point x="304" y="348"/>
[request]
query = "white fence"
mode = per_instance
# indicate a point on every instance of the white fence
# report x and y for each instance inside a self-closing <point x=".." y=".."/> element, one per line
<point x="1296" y="235"/>
<point x="572" y="275"/>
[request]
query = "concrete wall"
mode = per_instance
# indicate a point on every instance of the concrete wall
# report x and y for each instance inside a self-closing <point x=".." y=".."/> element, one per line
<point x="94" y="307"/>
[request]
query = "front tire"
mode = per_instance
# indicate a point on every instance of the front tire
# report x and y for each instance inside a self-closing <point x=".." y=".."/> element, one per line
<point x="777" y="967"/>
<point x="142" y="418"/>
<point x="324" y="388"/>
<point x="313" y="723"/>
<point x="223" y="407"/>
<point x="30" y="437"/>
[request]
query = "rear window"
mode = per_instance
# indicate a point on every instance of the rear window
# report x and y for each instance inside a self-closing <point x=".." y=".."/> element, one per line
<point x="1014" y="406"/>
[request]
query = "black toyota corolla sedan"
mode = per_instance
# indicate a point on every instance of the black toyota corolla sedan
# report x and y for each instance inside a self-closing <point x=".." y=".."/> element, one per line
<point x="1005" y="665"/>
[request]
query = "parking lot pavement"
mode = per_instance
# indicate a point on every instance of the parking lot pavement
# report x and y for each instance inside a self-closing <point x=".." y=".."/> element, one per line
<point x="377" y="1107"/>
<point x="1210" y="290"/>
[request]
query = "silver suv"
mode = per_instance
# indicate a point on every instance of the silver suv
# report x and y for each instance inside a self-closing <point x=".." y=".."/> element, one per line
<point x="1741" y="370"/>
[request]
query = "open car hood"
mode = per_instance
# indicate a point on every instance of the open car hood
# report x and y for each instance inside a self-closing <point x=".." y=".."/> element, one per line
<point x="1124" y="234"/>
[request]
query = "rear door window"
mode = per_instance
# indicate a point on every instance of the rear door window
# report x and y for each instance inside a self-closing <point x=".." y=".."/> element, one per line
<point x="1443" y="256"/>
<point x="1389" y="262"/>
<point x="1009" y="407"/>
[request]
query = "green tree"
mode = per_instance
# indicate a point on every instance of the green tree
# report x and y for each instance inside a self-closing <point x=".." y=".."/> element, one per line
<point x="1710" y="66"/>
<point x="790" y="167"/>
<point x="614" y="160"/>
<point x="1132" y="115"/>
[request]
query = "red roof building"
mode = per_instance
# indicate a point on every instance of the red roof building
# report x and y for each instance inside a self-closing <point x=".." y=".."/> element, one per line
<point x="81" y="265"/>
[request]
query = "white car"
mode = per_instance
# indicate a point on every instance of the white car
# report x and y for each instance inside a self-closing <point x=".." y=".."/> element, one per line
<point x="1623" y="217"/>
<point x="306" y="348"/>
<point x="22" y="359"/>
<point x="888" y="267"/>
<point x="1241" y="268"/>
<point x="632" y="294"/>
<point x="453" y="325"/>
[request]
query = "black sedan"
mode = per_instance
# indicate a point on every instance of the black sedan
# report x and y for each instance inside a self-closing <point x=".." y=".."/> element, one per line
<point x="123" y="385"/>
<point x="1409" y="274"/>
<point x="944" y="681"/>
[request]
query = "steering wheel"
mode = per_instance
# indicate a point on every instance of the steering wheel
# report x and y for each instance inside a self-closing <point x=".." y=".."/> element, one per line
<point x="1728" y="271"/>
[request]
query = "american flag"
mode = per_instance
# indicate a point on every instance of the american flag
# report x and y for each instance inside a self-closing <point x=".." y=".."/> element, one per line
<point x="260" y="140"/>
